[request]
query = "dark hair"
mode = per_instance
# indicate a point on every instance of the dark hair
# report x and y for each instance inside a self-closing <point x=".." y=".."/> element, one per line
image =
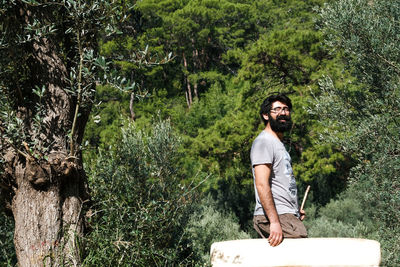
<point x="267" y="104"/>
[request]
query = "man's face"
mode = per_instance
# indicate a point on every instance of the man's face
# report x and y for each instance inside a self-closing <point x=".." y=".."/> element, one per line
<point x="279" y="117"/>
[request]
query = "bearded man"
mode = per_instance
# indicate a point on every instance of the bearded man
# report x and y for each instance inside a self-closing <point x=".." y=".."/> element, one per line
<point x="276" y="214"/>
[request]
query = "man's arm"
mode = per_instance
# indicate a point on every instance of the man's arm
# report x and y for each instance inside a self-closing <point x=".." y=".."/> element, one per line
<point x="262" y="174"/>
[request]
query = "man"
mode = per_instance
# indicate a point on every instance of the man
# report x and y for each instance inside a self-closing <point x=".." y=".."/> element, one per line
<point x="276" y="213"/>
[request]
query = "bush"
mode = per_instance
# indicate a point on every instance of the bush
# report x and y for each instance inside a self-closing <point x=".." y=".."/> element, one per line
<point x="325" y="227"/>
<point x="206" y="225"/>
<point x="345" y="210"/>
<point x="369" y="208"/>
<point x="140" y="204"/>
<point x="349" y="217"/>
<point x="343" y="217"/>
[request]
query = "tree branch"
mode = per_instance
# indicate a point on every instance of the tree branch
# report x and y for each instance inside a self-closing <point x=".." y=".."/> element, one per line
<point x="78" y="103"/>
<point x="390" y="63"/>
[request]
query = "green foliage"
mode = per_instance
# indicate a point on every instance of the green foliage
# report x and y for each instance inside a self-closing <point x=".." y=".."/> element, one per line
<point x="140" y="203"/>
<point x="215" y="132"/>
<point x="369" y="44"/>
<point x="7" y="251"/>
<point x="71" y="30"/>
<point x="144" y="213"/>
<point x="323" y="227"/>
<point x="355" y="215"/>
<point x="268" y="46"/>
<point x="211" y="26"/>
<point x="345" y="210"/>
<point x="206" y="225"/>
<point x="104" y="126"/>
<point x="289" y="56"/>
<point x="233" y="53"/>
<point x="68" y="29"/>
<point x="361" y="117"/>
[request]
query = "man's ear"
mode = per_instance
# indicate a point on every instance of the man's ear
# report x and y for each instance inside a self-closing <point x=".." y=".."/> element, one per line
<point x="265" y="116"/>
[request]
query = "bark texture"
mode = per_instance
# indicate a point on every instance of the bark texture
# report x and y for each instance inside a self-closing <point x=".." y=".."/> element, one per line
<point x="43" y="183"/>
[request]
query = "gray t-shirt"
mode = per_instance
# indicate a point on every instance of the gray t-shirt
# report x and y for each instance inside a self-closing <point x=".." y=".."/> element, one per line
<point x="267" y="149"/>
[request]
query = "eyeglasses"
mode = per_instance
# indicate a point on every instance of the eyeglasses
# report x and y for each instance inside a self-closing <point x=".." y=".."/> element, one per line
<point x="280" y="109"/>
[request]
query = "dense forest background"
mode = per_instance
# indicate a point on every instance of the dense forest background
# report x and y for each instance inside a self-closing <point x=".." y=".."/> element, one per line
<point x="168" y="157"/>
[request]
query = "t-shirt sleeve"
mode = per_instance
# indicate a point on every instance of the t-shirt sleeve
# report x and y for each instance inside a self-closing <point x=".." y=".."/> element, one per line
<point x="261" y="152"/>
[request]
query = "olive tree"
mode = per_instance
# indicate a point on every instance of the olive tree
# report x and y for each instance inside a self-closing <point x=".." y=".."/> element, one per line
<point x="362" y="115"/>
<point x="48" y="67"/>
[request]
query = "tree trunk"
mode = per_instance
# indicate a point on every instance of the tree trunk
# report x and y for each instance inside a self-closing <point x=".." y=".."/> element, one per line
<point x="196" y="66"/>
<point x="188" y="91"/>
<point x="48" y="223"/>
<point x="196" y="95"/>
<point x="49" y="184"/>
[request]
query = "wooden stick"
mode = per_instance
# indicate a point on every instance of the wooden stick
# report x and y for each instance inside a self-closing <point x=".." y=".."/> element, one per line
<point x="305" y="197"/>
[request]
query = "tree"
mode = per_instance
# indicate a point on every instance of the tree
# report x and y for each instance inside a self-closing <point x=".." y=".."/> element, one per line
<point x="199" y="33"/>
<point x="49" y="56"/>
<point x="290" y="57"/>
<point x="270" y="46"/>
<point x="361" y="116"/>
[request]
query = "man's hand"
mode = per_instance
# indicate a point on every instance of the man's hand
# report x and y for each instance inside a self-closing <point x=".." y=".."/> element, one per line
<point x="302" y="215"/>
<point x="262" y="175"/>
<point x="275" y="236"/>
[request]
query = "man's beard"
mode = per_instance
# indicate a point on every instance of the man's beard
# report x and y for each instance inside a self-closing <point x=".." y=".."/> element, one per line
<point x="280" y="126"/>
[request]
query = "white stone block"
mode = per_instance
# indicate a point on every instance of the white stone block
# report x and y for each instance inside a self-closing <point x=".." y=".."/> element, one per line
<point x="296" y="252"/>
